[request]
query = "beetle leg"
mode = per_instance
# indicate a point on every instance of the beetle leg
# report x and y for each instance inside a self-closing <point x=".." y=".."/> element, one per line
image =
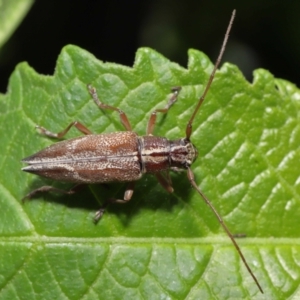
<point x="152" y="120"/>
<point x="123" y="117"/>
<point x="59" y="135"/>
<point x="127" y="196"/>
<point x="165" y="181"/>
<point x="47" y="189"/>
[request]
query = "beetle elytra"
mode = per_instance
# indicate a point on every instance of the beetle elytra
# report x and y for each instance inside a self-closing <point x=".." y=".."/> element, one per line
<point x="123" y="156"/>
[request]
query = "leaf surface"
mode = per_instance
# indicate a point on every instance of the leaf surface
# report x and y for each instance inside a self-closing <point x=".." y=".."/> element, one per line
<point x="159" y="245"/>
<point x="12" y="13"/>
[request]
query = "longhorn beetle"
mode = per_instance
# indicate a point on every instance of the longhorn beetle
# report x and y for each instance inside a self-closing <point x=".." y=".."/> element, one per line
<point x="123" y="156"/>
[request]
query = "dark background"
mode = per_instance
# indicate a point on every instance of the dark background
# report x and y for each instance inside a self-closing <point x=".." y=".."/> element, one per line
<point x="266" y="34"/>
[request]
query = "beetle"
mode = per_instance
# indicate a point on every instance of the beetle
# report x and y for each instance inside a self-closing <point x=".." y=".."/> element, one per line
<point x="123" y="156"/>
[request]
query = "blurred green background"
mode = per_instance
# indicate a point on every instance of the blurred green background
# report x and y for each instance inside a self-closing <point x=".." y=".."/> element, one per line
<point x="265" y="33"/>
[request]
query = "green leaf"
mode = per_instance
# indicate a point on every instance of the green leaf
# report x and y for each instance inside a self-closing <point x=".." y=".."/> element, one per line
<point x="159" y="245"/>
<point x="12" y="13"/>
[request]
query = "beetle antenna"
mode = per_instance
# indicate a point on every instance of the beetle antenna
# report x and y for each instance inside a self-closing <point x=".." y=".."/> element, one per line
<point x="189" y="128"/>
<point x="190" y="175"/>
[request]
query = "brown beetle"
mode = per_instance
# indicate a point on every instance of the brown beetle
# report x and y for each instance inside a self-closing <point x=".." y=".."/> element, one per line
<point x="123" y="156"/>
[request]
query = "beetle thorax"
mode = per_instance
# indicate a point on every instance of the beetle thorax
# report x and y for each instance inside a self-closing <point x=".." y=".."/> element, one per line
<point x="159" y="154"/>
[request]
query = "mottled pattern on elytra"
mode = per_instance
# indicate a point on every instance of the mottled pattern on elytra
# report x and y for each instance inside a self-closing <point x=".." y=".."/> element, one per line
<point x="89" y="159"/>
